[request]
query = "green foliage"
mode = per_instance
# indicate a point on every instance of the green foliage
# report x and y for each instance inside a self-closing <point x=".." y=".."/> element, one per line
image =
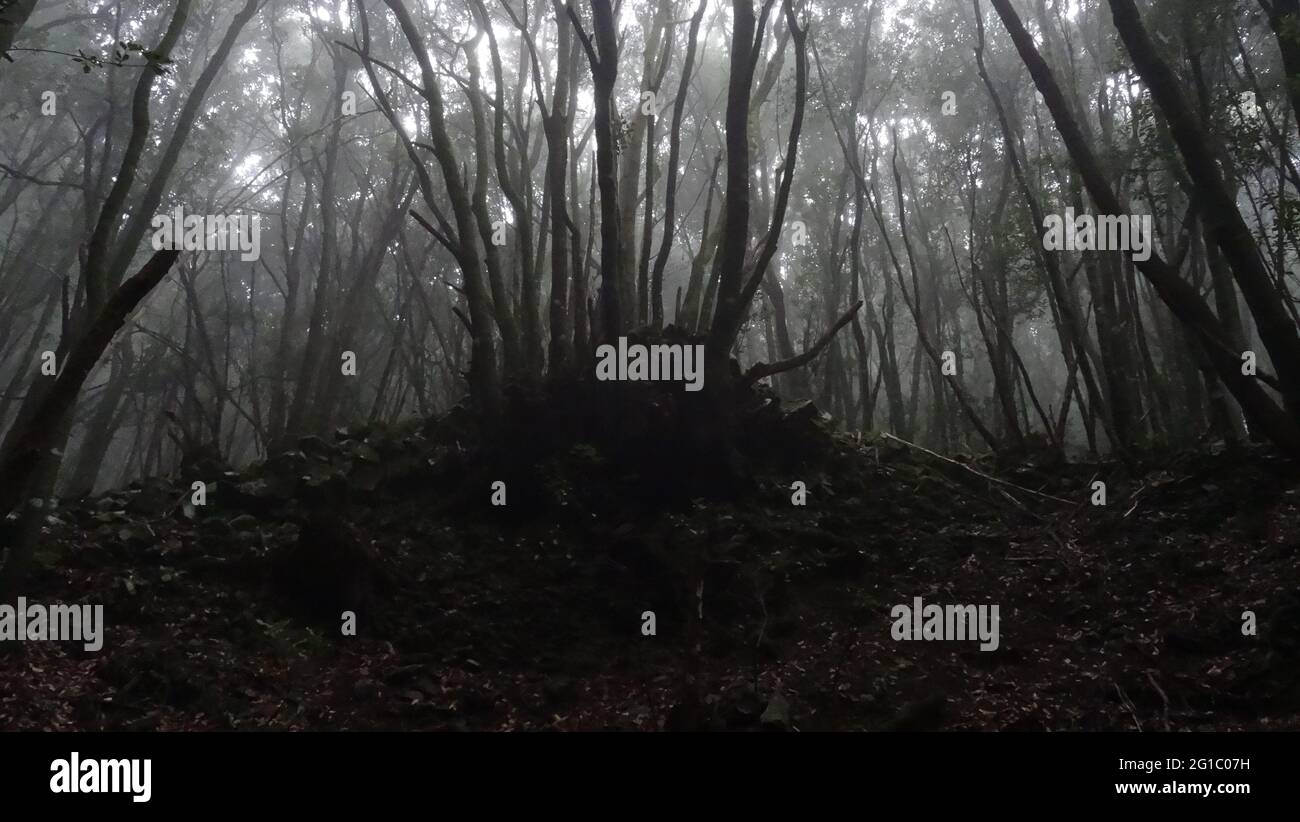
<point x="121" y="55"/>
<point x="286" y="640"/>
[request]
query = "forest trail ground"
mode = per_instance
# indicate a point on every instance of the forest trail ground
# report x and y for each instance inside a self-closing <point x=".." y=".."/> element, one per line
<point x="1119" y="617"/>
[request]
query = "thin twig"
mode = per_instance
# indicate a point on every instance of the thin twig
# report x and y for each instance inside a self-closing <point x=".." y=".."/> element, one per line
<point x="1163" y="697"/>
<point x="1128" y="704"/>
<point x="13" y="172"/>
<point x="981" y="474"/>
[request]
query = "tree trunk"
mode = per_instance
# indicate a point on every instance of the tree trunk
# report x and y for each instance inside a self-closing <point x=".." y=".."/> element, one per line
<point x="1184" y="301"/>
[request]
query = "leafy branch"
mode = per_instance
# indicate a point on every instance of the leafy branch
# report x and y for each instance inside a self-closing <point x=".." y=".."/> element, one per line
<point x="120" y="57"/>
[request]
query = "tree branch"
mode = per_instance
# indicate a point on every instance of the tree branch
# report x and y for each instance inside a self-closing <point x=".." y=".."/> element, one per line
<point x="437" y="235"/>
<point x="582" y="35"/>
<point x="13" y="172"/>
<point x="19" y="465"/>
<point x="762" y="369"/>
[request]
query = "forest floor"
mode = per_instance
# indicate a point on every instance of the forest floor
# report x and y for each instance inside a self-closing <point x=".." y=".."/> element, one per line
<point x="1122" y="616"/>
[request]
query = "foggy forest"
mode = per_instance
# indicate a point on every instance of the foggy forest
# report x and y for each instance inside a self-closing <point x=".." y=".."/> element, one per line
<point x="650" y="364"/>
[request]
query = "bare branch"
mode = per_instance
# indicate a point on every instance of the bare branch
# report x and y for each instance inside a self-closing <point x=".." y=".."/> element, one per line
<point x="761" y="370"/>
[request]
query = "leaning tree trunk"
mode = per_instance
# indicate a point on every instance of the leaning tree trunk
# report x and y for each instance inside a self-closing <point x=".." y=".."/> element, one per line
<point x="1223" y="222"/>
<point x="1182" y="299"/>
<point x="28" y="452"/>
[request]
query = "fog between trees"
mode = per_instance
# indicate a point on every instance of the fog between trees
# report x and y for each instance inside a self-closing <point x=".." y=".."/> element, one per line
<point x="453" y="198"/>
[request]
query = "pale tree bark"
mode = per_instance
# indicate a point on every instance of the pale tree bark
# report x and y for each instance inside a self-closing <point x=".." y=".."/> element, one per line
<point x="530" y="329"/>
<point x="484" y="380"/>
<point x="502" y="304"/>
